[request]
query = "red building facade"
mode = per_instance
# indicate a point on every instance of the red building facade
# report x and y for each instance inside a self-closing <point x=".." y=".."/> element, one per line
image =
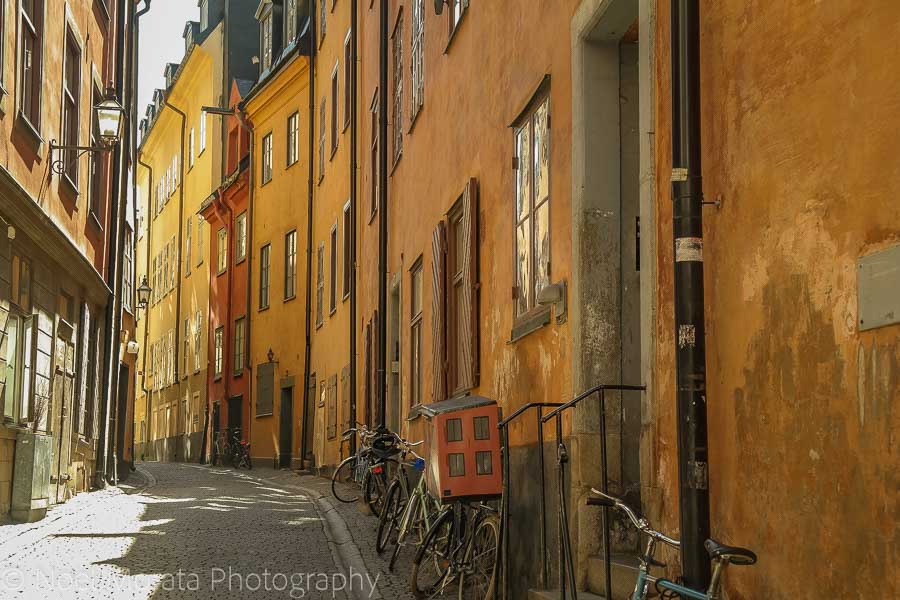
<point x="227" y="212"/>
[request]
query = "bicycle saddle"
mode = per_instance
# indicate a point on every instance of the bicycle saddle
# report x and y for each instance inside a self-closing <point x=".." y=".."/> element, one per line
<point x="733" y="554"/>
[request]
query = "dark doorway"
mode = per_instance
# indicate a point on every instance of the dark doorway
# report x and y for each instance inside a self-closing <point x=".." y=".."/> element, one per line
<point x="122" y="419"/>
<point x="286" y="437"/>
<point x="236" y="415"/>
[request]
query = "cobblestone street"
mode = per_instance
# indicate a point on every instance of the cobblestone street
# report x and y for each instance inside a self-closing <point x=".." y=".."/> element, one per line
<point x="190" y="531"/>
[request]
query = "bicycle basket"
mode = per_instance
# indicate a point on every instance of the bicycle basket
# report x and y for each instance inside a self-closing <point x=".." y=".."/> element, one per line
<point x="385" y="446"/>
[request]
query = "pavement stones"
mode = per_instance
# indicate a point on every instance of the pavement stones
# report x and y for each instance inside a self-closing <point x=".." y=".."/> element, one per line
<point x="189" y="531"/>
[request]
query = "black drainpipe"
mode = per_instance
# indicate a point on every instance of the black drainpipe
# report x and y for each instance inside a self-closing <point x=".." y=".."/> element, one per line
<point x="305" y="430"/>
<point x="353" y="181"/>
<point x="690" y="353"/>
<point x="381" y="371"/>
<point x="147" y="391"/>
<point x="113" y="319"/>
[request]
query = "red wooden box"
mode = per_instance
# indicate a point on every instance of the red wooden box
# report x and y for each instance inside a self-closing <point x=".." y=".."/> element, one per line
<point x="463" y="448"/>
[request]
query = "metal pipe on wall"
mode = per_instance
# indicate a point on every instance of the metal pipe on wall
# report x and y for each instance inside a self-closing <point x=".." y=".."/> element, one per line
<point x="354" y="148"/>
<point x="690" y="352"/>
<point x="381" y="358"/>
<point x="305" y="430"/>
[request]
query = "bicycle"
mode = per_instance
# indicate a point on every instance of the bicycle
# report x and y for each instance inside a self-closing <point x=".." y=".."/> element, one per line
<point x="221" y="450"/>
<point x="459" y="551"/>
<point x="368" y="469"/>
<point x="407" y="514"/>
<point x="720" y="555"/>
<point x="240" y="453"/>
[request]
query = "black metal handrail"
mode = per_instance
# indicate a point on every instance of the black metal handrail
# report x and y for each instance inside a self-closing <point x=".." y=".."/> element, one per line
<point x="503" y="426"/>
<point x="565" y="550"/>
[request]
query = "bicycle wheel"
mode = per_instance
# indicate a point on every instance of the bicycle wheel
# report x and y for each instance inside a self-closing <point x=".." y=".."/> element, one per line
<point x="376" y="484"/>
<point x="478" y="578"/>
<point x="343" y="476"/>
<point x="431" y="573"/>
<point x="390" y="518"/>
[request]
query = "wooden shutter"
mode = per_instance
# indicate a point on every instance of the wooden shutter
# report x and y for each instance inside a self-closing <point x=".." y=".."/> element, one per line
<point x="467" y="312"/>
<point x="438" y="312"/>
<point x="375" y="409"/>
<point x="82" y="396"/>
<point x="345" y="398"/>
<point x="332" y="407"/>
<point x="265" y="386"/>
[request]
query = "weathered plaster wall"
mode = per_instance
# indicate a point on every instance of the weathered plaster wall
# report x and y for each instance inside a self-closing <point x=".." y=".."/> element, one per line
<point x="799" y="119"/>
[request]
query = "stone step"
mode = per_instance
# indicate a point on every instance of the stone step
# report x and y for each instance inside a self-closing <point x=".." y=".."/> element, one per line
<point x="554" y="595"/>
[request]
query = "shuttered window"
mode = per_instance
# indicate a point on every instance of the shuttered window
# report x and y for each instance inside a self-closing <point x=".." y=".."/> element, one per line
<point x="265" y="385"/>
<point x="455" y="299"/>
<point x="331" y="400"/>
<point x="345" y="398"/>
<point x="438" y="328"/>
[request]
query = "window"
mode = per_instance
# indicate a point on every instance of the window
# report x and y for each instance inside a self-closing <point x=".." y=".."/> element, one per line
<point x="240" y="237"/>
<point x="264" y="267"/>
<point x="483" y="463"/>
<point x="219" y="339"/>
<point x="348" y="253"/>
<point x="239" y="343"/>
<point x="266" y="43"/>
<point x="290" y="265"/>
<point x="320" y="284"/>
<point x="454" y="430"/>
<point x="71" y="100"/>
<point x="128" y="271"/>
<point x="415" y="333"/>
<point x="187" y="247"/>
<point x="175" y="180"/>
<point x="417" y="58"/>
<point x="456" y="11"/>
<point x="482" y="428"/>
<point x="191" y="145"/>
<point x="290" y="21"/>
<point x="348" y="79"/>
<point x="221" y="251"/>
<point x="396" y="107"/>
<point x="457" y="464"/>
<point x="267" y="158"/>
<point x="31" y="28"/>
<point x="322" y="15"/>
<point x="202" y="131"/>
<point x="155" y="291"/>
<point x="16" y="354"/>
<point x="374" y="159"/>
<point x="334" y="109"/>
<point x="200" y="222"/>
<point x="532" y="205"/>
<point x="186" y="346"/>
<point x="198" y="337"/>
<point x="454" y="297"/>
<point x="293" y="141"/>
<point x="332" y="282"/>
<point x="322" y="141"/>
<point x="2" y="46"/>
<point x="96" y="162"/>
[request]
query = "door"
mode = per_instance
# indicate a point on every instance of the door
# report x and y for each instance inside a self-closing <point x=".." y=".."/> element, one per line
<point x="63" y="394"/>
<point x="393" y="324"/>
<point x="286" y="437"/>
<point x="122" y="418"/>
<point x="309" y="421"/>
<point x="236" y="415"/>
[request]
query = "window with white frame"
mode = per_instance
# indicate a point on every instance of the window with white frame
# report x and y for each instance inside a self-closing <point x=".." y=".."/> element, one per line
<point x="218" y="341"/>
<point x="202" y="131"/>
<point x="71" y="100"/>
<point x="532" y="204"/>
<point x="221" y="251"/>
<point x="192" y="148"/>
<point x="348" y="79"/>
<point x="128" y="271"/>
<point x="266" y="41"/>
<point x="31" y="48"/>
<point x="290" y="21"/>
<point x="266" y="158"/>
<point x="417" y="58"/>
<point x="187" y="246"/>
<point x="198" y="338"/>
<point x="240" y="237"/>
<point x="322" y="140"/>
<point x="334" y="109"/>
<point x="239" y="343"/>
<point x="264" y="275"/>
<point x="397" y="104"/>
<point x="293" y="138"/>
<point x="290" y="265"/>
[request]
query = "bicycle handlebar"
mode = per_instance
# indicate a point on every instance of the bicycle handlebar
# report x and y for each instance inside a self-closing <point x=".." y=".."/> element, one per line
<point x="640" y="523"/>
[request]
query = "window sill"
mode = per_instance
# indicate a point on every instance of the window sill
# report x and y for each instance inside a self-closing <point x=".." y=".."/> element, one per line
<point x="345" y="297"/>
<point x="332" y="311"/>
<point x="71" y="188"/>
<point x="530" y="322"/>
<point x="395" y="162"/>
<point x="265" y="182"/>
<point x="94" y="220"/>
<point x="334" y="150"/>
<point x="289" y="165"/>
<point x="240" y="260"/>
<point x="264" y="415"/>
<point x="31" y="131"/>
<point x="289" y="298"/>
<point x="345" y="126"/>
<point x="237" y="375"/>
<point x="319" y="324"/>
<point x="222" y="272"/>
<point x="263" y="308"/>
<point x="217" y="378"/>
<point x="372" y="216"/>
<point x="453" y="32"/>
<point x="414" y="118"/>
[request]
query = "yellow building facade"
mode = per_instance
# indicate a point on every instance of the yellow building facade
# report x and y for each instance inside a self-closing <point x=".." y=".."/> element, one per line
<point x="180" y="165"/>
<point x="277" y="109"/>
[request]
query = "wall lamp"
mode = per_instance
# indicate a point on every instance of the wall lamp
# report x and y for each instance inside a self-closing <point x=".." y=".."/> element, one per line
<point x="109" y="118"/>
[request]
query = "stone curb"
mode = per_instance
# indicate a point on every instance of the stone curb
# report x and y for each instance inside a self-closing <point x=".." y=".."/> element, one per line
<point x="343" y="548"/>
